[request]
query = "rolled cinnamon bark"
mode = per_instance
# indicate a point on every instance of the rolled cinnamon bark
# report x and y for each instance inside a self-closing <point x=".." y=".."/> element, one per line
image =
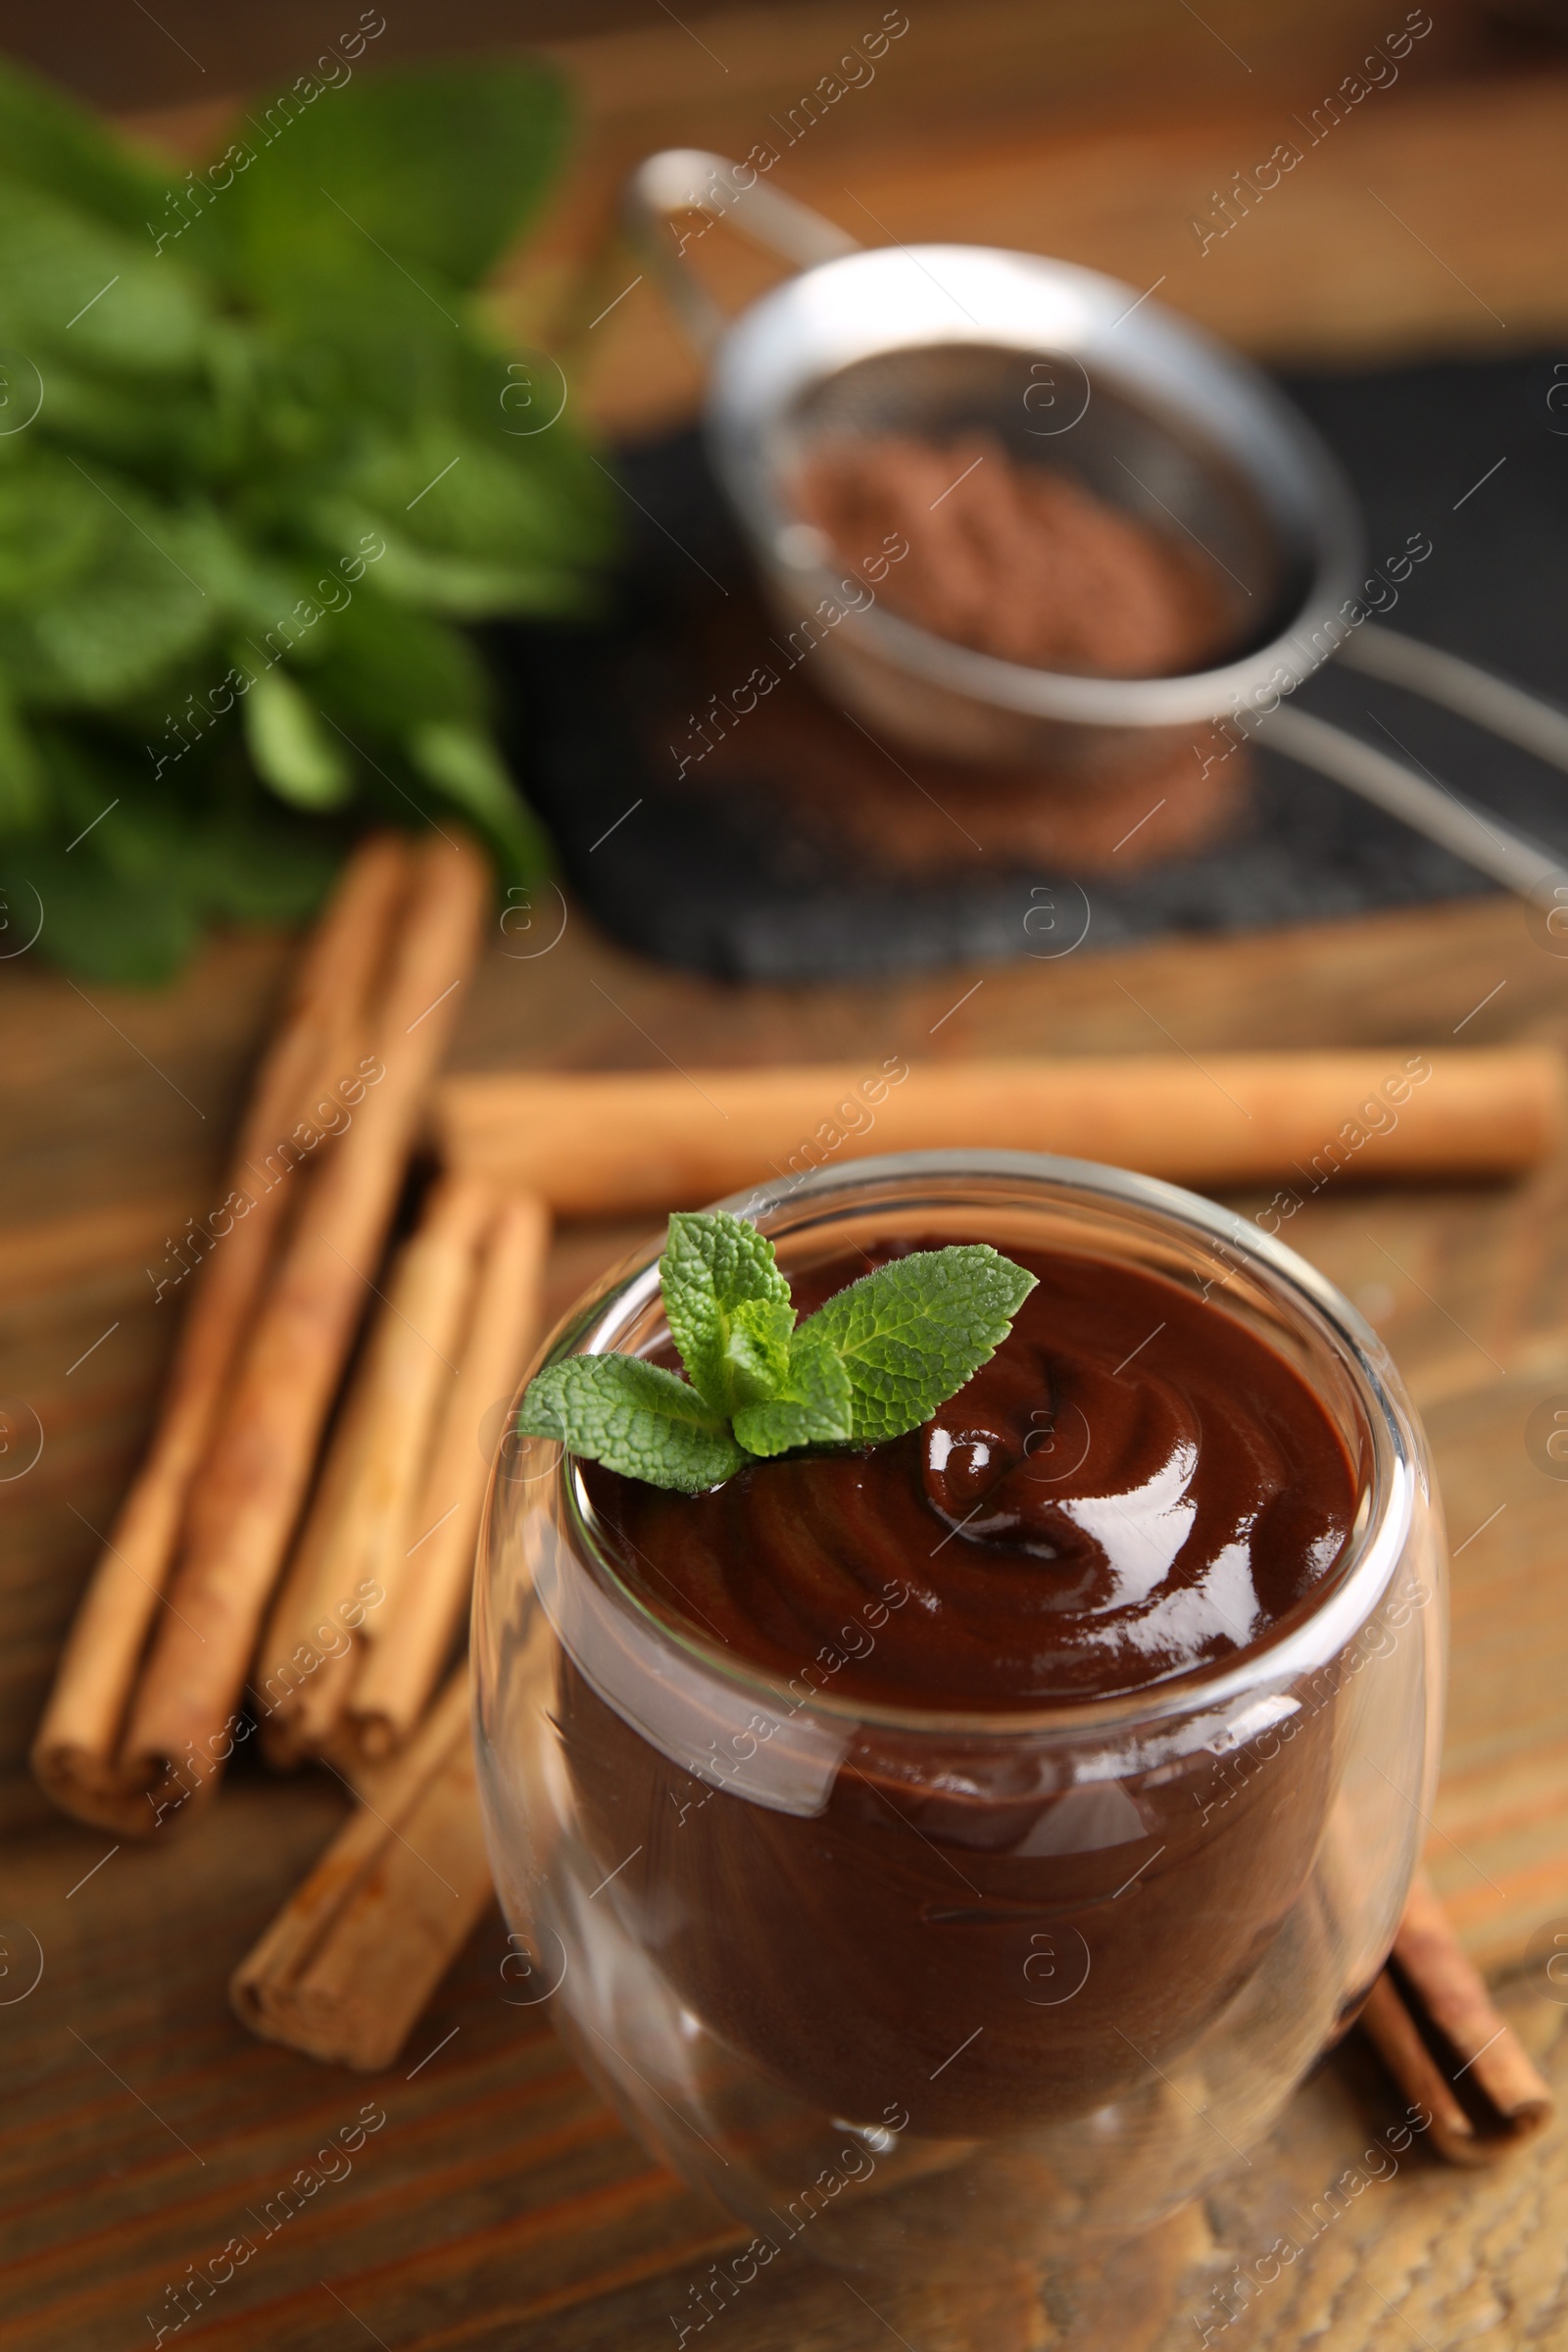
<point x="612" y="1143"/>
<point x="428" y="1580"/>
<point x="1431" y="2022"/>
<point x="77" y="1748"/>
<point x="312" y="1725"/>
<point x="356" y="1533"/>
<point x="304" y="1663"/>
<point x="185" y="1715"/>
<point x="355" y="1954"/>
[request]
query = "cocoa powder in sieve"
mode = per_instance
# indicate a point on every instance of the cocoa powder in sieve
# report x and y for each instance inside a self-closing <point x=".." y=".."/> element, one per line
<point x="1016" y="559"/>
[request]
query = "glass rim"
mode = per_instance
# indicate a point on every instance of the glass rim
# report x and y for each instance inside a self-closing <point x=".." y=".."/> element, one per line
<point x="1308" y="1640"/>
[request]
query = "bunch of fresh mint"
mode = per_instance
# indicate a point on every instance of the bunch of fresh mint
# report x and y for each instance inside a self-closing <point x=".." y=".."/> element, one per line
<point x="876" y="1360"/>
<point x="260" y="464"/>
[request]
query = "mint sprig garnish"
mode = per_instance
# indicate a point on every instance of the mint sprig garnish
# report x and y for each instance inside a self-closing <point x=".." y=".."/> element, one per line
<point x="875" y="1361"/>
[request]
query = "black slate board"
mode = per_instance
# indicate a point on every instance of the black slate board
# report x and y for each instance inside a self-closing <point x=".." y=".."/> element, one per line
<point x="723" y="886"/>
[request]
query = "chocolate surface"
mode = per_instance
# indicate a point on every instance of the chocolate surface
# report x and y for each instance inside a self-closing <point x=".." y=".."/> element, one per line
<point x="1134" y="1486"/>
<point x="972" y="1926"/>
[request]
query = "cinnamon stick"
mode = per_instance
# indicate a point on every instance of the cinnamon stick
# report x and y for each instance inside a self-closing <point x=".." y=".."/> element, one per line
<point x="1433" y="2023"/>
<point x="304" y="1664"/>
<point x="607" y="1144"/>
<point x="75" y="1753"/>
<point x="356" y="1533"/>
<point x="185" y="1718"/>
<point x="427" y="1582"/>
<point x="354" y="1955"/>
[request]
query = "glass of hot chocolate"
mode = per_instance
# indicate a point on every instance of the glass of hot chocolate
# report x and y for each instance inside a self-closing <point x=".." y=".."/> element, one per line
<point x="945" y="1847"/>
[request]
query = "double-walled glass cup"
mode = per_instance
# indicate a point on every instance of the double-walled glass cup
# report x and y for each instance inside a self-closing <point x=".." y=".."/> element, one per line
<point x="933" y="1989"/>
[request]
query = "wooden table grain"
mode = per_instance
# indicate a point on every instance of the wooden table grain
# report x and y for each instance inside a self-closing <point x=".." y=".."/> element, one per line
<point x="499" y="2203"/>
<point x="494" y="2200"/>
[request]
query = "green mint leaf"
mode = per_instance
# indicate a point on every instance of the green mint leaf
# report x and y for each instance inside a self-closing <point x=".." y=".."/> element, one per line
<point x="436" y="167"/>
<point x="756" y="1355"/>
<point x="463" y="763"/>
<point x="633" y="1418"/>
<point x="713" y="1265"/>
<point x="912" y="1333"/>
<point x="815" y="1403"/>
<point x="47" y="139"/>
<point x="293" y="749"/>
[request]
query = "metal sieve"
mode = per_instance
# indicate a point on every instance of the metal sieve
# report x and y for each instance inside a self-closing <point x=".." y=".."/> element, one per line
<point x="1157" y="419"/>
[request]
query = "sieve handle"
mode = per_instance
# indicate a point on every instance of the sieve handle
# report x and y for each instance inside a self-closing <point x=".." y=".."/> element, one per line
<point x="689" y="179"/>
<point x="1495" y="704"/>
<point x="1419" y="802"/>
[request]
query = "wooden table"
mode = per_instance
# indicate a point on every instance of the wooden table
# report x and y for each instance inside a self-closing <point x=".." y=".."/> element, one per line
<point x="501" y="2204"/>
